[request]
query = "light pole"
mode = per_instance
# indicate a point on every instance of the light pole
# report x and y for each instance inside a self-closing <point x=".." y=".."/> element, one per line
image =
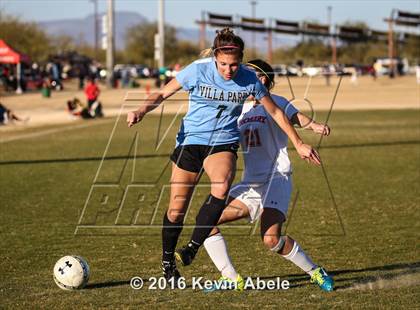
<point x="161" y="31"/>
<point x="391" y="44"/>
<point x="270" y="42"/>
<point x="332" y="33"/>
<point x="110" y="44"/>
<point x="253" y="5"/>
<point x="95" y="17"/>
<point x="329" y="9"/>
<point x="203" y="31"/>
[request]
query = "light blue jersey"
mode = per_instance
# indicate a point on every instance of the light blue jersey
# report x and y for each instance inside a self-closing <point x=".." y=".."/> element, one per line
<point x="214" y="103"/>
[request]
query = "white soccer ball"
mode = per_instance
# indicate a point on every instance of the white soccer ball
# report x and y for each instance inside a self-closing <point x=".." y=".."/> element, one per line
<point x="71" y="272"/>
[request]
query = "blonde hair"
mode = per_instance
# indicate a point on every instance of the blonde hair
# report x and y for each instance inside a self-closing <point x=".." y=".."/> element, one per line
<point x="208" y="52"/>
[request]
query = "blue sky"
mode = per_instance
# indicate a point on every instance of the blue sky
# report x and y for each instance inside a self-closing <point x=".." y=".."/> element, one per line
<point x="184" y="12"/>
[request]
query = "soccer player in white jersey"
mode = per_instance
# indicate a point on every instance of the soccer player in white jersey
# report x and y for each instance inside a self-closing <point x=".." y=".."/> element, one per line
<point x="265" y="188"/>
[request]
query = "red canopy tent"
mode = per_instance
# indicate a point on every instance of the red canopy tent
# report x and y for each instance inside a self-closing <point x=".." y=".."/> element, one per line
<point x="10" y="56"/>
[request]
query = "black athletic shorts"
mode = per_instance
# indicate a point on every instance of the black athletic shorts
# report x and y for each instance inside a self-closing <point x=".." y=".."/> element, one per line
<point x="191" y="157"/>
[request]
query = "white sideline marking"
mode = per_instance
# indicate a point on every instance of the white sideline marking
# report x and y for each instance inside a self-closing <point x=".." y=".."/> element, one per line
<point x="51" y="131"/>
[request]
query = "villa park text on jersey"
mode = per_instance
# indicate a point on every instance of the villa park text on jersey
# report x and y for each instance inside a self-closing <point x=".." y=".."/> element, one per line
<point x="213" y="93"/>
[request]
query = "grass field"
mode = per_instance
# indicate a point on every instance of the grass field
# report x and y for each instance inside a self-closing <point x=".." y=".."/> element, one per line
<point x="368" y="239"/>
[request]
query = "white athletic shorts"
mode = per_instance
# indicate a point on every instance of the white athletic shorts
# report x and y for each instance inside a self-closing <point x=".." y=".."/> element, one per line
<point x="272" y="194"/>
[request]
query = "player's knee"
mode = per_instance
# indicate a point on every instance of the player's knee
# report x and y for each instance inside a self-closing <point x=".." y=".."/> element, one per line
<point x="214" y="231"/>
<point x="220" y="189"/>
<point x="270" y="241"/>
<point x="275" y="244"/>
<point x="175" y="216"/>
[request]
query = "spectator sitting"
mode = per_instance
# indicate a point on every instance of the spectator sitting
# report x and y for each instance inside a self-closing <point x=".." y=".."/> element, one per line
<point x="7" y="116"/>
<point x="77" y="109"/>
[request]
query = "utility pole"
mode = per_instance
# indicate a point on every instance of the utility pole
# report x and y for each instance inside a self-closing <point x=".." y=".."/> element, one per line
<point x="95" y="17"/>
<point x="329" y="10"/>
<point x="270" y="43"/>
<point x="332" y="39"/>
<point x="391" y="44"/>
<point x="161" y="31"/>
<point x="270" y="46"/>
<point x="253" y="5"/>
<point x="110" y="45"/>
<point x="203" y="31"/>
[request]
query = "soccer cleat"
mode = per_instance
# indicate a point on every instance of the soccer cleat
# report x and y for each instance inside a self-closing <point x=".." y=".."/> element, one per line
<point x="322" y="279"/>
<point x="186" y="254"/>
<point x="224" y="283"/>
<point x="170" y="271"/>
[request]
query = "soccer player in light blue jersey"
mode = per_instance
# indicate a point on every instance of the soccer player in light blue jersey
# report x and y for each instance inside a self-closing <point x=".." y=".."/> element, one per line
<point x="208" y="137"/>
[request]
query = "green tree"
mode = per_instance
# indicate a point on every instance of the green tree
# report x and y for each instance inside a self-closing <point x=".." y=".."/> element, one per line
<point x="62" y="43"/>
<point x="312" y="52"/>
<point x="139" y="47"/>
<point x="359" y="52"/>
<point x="25" y="37"/>
<point x="355" y="24"/>
<point x="411" y="49"/>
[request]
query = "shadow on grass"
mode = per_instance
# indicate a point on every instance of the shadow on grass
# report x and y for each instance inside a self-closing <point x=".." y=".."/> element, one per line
<point x="123" y="283"/>
<point x="107" y="284"/>
<point x="385" y="272"/>
<point x="302" y="280"/>
<point x="84" y="159"/>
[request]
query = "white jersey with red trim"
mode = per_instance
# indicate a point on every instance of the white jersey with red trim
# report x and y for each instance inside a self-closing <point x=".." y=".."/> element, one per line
<point x="264" y="144"/>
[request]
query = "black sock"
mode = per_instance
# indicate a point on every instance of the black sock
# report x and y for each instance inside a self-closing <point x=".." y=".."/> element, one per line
<point x="206" y="220"/>
<point x="170" y="234"/>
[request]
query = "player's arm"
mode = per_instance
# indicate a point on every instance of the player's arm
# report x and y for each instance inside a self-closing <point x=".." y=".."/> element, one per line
<point x="306" y="122"/>
<point x="305" y="151"/>
<point x="152" y="102"/>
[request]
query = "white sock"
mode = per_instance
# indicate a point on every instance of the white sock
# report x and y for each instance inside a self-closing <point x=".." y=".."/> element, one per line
<point x="216" y="248"/>
<point x="298" y="257"/>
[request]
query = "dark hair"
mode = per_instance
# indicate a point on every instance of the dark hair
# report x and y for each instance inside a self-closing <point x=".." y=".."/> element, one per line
<point x="264" y="68"/>
<point x="227" y="42"/>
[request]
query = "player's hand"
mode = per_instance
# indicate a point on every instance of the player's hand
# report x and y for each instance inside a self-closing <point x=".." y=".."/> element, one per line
<point x="322" y="129"/>
<point x="134" y="117"/>
<point x="309" y="154"/>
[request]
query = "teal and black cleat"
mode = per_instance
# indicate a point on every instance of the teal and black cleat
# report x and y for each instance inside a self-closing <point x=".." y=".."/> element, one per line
<point x="322" y="279"/>
<point x="224" y="283"/>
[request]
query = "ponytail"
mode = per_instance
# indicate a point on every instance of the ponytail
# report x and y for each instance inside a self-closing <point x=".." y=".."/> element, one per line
<point x="206" y="53"/>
